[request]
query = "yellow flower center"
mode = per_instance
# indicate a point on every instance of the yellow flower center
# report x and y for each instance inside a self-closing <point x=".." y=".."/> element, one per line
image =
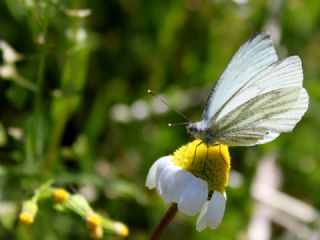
<point x="210" y="163"/>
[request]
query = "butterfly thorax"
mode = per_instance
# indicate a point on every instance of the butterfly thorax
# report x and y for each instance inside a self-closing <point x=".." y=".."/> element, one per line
<point x="202" y="130"/>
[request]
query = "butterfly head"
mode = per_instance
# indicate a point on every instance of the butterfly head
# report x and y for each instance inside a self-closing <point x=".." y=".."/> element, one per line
<point x="200" y="130"/>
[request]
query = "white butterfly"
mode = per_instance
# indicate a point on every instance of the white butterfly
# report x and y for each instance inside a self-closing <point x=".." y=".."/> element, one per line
<point x="256" y="98"/>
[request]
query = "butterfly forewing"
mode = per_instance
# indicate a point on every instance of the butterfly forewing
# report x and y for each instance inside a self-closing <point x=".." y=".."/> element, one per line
<point x="253" y="56"/>
<point x="285" y="73"/>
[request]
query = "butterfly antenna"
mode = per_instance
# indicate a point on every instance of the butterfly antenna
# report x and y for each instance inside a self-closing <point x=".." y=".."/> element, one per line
<point x="163" y="101"/>
<point x="177" y="124"/>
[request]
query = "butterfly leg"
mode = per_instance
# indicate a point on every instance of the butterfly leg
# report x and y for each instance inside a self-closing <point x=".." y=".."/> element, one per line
<point x="218" y="144"/>
<point x="205" y="161"/>
<point x="221" y="154"/>
<point x="207" y="151"/>
<point x="195" y="151"/>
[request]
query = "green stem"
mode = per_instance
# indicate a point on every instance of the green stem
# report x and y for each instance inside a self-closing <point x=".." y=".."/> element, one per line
<point x="38" y="99"/>
<point x="56" y="136"/>
<point x="172" y="211"/>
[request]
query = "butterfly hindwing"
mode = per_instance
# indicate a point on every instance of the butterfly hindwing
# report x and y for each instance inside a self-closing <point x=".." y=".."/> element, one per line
<point x="263" y="118"/>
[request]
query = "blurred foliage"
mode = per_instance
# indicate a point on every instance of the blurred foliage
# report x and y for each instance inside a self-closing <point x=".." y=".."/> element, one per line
<point x="74" y="107"/>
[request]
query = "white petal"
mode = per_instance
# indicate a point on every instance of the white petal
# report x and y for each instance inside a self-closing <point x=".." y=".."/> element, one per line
<point x="193" y="196"/>
<point x="161" y="172"/>
<point x="152" y="174"/>
<point x="202" y="221"/>
<point x="173" y="182"/>
<point x="216" y="209"/>
<point x="165" y="180"/>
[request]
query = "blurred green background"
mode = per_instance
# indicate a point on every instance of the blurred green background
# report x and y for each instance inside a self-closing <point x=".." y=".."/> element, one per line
<point x="74" y="108"/>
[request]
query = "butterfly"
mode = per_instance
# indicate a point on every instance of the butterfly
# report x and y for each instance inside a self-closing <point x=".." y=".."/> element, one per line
<point x="256" y="98"/>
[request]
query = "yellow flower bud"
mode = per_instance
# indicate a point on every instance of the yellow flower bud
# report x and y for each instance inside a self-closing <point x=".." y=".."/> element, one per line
<point x="60" y="195"/>
<point x="93" y="221"/>
<point x="26" y="218"/>
<point x="96" y="233"/>
<point x="28" y="213"/>
<point x="121" y="229"/>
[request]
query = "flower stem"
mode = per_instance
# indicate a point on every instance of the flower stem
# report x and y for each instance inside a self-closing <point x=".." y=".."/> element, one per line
<point x="164" y="222"/>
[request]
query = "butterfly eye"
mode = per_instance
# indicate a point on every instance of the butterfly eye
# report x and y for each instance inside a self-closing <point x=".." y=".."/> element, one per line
<point x="191" y="128"/>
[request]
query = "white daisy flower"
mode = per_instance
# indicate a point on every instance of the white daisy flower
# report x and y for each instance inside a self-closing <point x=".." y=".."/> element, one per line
<point x="194" y="178"/>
